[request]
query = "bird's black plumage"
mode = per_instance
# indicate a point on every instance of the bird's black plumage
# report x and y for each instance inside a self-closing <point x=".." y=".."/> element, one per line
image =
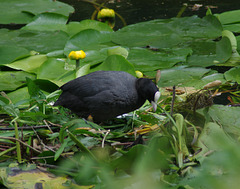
<point x="106" y="94"/>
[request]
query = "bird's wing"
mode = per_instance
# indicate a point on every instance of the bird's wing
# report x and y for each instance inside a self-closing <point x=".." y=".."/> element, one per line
<point x="86" y="86"/>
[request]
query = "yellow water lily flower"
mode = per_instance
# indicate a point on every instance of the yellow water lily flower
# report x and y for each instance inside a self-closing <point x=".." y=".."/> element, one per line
<point x="139" y="74"/>
<point x="76" y="55"/>
<point x="106" y="13"/>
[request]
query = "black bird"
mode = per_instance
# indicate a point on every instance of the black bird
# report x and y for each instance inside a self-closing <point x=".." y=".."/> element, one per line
<point x="107" y="94"/>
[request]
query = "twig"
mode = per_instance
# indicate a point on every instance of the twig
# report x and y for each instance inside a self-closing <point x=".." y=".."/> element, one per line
<point x="173" y="100"/>
<point x="25" y="144"/>
<point x="48" y="126"/>
<point x="48" y="165"/>
<point x="27" y="127"/>
<point x="40" y="140"/>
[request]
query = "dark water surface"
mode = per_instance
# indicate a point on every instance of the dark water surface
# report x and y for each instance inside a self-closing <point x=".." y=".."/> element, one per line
<point x="134" y="11"/>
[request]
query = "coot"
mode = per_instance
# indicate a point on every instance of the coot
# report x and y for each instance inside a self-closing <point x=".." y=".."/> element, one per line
<point x="107" y="94"/>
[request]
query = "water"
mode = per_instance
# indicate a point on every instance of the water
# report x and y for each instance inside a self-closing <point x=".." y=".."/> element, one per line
<point x="134" y="11"/>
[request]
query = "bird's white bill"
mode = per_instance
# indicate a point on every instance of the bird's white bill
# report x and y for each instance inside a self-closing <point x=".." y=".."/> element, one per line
<point x="157" y="96"/>
<point x="154" y="103"/>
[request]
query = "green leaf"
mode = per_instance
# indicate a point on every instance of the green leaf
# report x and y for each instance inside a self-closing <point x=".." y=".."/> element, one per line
<point x="118" y="50"/>
<point x="73" y="28"/>
<point x="231" y="37"/>
<point x="227" y="117"/>
<point x="33" y="89"/>
<point x="11" y="80"/>
<point x="216" y="53"/>
<point x="168" y="33"/>
<point x="116" y="63"/>
<point x="56" y="71"/>
<point x="181" y="76"/>
<point x="56" y="54"/>
<point x="10" y="53"/>
<point x="87" y="40"/>
<point x="61" y="149"/>
<point x="22" y="12"/>
<point x="29" y="64"/>
<point x="19" y="95"/>
<point x="47" y="22"/>
<point x="41" y="41"/>
<point x="229" y="17"/>
<point x="81" y="146"/>
<point x="84" y="70"/>
<point x="233" y="74"/>
<point x="151" y="31"/>
<point x="147" y="60"/>
<point x="208" y="137"/>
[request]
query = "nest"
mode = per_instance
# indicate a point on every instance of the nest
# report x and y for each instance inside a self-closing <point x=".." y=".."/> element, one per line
<point x="198" y="100"/>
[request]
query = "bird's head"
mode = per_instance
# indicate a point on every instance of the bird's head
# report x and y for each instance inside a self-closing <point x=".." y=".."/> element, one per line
<point x="149" y="91"/>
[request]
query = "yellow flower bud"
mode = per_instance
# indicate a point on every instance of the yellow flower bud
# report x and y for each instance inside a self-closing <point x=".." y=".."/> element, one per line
<point x="76" y="55"/>
<point x="106" y="13"/>
<point x="139" y="74"/>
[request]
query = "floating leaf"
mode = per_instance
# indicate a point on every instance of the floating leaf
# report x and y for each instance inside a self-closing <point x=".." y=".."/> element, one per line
<point x="116" y="63"/>
<point x="229" y="17"/>
<point x="11" y="80"/>
<point x="73" y="28"/>
<point x="168" y="33"/>
<point x="215" y="54"/>
<point x="228" y="117"/>
<point x="47" y="22"/>
<point x="84" y="70"/>
<point x="10" y="53"/>
<point x="22" y="12"/>
<point x="233" y="74"/>
<point x="41" y="41"/>
<point x="19" y="95"/>
<point x="147" y="60"/>
<point x="208" y="137"/>
<point x="29" y="64"/>
<point x="181" y="76"/>
<point x="17" y="178"/>
<point x="87" y="40"/>
<point x="55" y="71"/>
<point x="118" y="50"/>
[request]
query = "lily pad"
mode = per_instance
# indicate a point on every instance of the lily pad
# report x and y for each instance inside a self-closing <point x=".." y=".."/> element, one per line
<point x="56" y="71"/>
<point x="10" y="53"/>
<point x="182" y="76"/>
<point x="93" y="42"/>
<point x="228" y="117"/>
<point x="208" y="137"/>
<point x="87" y="40"/>
<point x="116" y="63"/>
<point x="215" y="54"/>
<point x="11" y="80"/>
<point x="29" y="64"/>
<point x="42" y="41"/>
<point x="75" y="27"/>
<point x="148" y="60"/>
<point x="47" y="22"/>
<point x="19" y="95"/>
<point x="229" y="17"/>
<point x="22" y="12"/>
<point x="168" y="33"/>
<point x="233" y="74"/>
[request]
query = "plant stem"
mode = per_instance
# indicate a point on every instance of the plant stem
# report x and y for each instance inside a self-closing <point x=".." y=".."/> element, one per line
<point x="19" y="157"/>
<point x="77" y="64"/>
<point x="182" y="10"/>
